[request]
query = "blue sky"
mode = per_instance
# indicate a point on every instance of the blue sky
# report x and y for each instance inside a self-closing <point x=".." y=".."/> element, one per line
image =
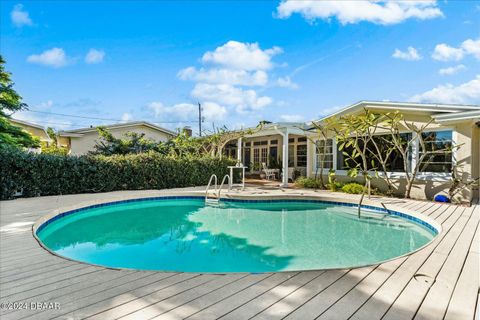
<point x="244" y="61"/>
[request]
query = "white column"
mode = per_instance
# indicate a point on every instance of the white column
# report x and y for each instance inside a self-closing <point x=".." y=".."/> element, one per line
<point x="239" y="150"/>
<point x="285" y="159"/>
<point x="310" y="161"/>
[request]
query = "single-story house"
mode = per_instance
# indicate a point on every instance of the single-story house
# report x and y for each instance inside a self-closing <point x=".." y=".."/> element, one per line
<point x="291" y="146"/>
<point x="32" y="128"/>
<point x="81" y="141"/>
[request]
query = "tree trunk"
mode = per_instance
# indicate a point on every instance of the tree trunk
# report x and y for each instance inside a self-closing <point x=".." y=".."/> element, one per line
<point x="362" y="196"/>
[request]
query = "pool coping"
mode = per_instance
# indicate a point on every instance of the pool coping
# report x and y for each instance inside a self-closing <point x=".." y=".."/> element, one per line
<point x="404" y="213"/>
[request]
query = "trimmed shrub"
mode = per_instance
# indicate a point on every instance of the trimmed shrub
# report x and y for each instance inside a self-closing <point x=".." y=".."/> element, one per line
<point x="335" y="186"/>
<point x="310" y="183"/>
<point x="47" y="174"/>
<point x="352" y="187"/>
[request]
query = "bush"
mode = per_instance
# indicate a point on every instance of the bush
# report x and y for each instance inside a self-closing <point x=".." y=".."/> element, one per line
<point x="310" y="183"/>
<point x="48" y="174"/>
<point x="335" y="186"/>
<point x="353" y="187"/>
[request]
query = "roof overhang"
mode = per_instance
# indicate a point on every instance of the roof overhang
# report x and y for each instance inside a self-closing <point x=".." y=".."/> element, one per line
<point x="458" y="117"/>
<point x="70" y="134"/>
<point x="121" y="125"/>
<point x="410" y="107"/>
<point x="281" y="128"/>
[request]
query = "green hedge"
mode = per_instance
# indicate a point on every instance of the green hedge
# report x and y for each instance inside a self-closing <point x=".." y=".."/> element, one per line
<point x="45" y="174"/>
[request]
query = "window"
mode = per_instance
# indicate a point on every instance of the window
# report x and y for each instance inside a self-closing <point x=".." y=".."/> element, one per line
<point x="247" y="158"/>
<point x="437" y="160"/>
<point x="273" y="161"/>
<point x="325" y="153"/>
<point x="291" y="155"/>
<point x="394" y="163"/>
<point x="291" y="140"/>
<point x="260" y="143"/>
<point x="256" y="157"/>
<point x="264" y="155"/>
<point x="302" y="139"/>
<point x="273" y="152"/>
<point x="302" y="155"/>
<point x="275" y="142"/>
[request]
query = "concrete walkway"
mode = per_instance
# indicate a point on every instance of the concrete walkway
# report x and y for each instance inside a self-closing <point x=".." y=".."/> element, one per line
<point x="441" y="281"/>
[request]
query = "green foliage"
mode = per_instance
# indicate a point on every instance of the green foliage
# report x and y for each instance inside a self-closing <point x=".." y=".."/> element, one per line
<point x="315" y="183"/>
<point x="53" y="147"/>
<point x="335" y="186"/>
<point x="310" y="183"/>
<point x="46" y="174"/>
<point x="132" y="142"/>
<point x="10" y="102"/>
<point x="13" y="136"/>
<point x="353" y="188"/>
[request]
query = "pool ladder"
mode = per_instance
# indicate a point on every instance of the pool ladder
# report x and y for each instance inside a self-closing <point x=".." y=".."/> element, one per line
<point x="215" y="199"/>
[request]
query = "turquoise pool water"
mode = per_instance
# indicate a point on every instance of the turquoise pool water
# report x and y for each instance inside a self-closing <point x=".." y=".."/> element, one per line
<point x="186" y="235"/>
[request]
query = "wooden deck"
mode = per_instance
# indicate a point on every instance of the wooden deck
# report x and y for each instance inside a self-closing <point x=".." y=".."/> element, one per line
<point x="440" y="281"/>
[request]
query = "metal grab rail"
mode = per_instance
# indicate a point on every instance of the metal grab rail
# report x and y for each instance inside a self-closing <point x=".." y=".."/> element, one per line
<point x="221" y="185"/>
<point x="209" y="183"/>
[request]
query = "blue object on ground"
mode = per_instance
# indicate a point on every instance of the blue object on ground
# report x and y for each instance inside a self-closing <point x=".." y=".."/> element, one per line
<point x="441" y="198"/>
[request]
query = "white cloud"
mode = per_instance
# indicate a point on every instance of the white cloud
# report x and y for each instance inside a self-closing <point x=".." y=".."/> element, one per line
<point x="244" y="99"/>
<point x="54" y="57"/>
<point x="94" y="56"/>
<point x="187" y="111"/>
<point x="243" y="56"/>
<point x="230" y="71"/>
<point x="20" y="17"/>
<point x="45" y="105"/>
<point x="354" y="11"/>
<point x="472" y="47"/>
<point x="126" y="117"/>
<point x="410" y="55"/>
<point x="465" y="93"/>
<point x="286" y="82"/>
<point x="292" y="118"/>
<point x="444" y="52"/>
<point x="451" y="70"/>
<point x="227" y="76"/>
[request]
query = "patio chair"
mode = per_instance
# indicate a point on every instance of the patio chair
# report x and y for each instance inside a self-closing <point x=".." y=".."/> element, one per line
<point x="269" y="173"/>
<point x="291" y="170"/>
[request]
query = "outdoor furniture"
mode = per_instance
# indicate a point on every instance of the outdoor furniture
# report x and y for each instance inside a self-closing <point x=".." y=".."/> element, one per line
<point x="230" y="181"/>
<point x="290" y="173"/>
<point x="269" y="173"/>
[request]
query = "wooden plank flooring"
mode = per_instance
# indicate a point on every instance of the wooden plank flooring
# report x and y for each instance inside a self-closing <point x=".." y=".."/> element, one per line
<point x="441" y="281"/>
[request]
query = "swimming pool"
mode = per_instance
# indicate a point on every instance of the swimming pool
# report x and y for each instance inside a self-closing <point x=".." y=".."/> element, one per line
<point x="184" y="234"/>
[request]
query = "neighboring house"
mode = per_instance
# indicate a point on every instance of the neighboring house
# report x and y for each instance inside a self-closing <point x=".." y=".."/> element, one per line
<point x="451" y="124"/>
<point x="81" y="141"/>
<point x="32" y="128"/>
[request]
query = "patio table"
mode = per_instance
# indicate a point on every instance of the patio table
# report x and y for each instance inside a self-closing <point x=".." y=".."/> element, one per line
<point x="230" y="181"/>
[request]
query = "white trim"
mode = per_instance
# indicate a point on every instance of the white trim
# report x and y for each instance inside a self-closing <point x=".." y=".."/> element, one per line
<point x="405" y="106"/>
<point x="422" y="176"/>
<point x="458" y="116"/>
<point x="121" y="125"/>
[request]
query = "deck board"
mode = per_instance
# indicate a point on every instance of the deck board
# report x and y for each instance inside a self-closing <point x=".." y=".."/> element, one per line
<point x="391" y="290"/>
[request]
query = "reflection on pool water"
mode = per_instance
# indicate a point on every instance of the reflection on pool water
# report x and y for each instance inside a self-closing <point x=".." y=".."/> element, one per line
<point x="187" y="235"/>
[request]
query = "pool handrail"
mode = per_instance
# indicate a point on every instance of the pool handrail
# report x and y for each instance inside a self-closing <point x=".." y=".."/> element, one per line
<point x="212" y="177"/>
<point x="221" y="185"/>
